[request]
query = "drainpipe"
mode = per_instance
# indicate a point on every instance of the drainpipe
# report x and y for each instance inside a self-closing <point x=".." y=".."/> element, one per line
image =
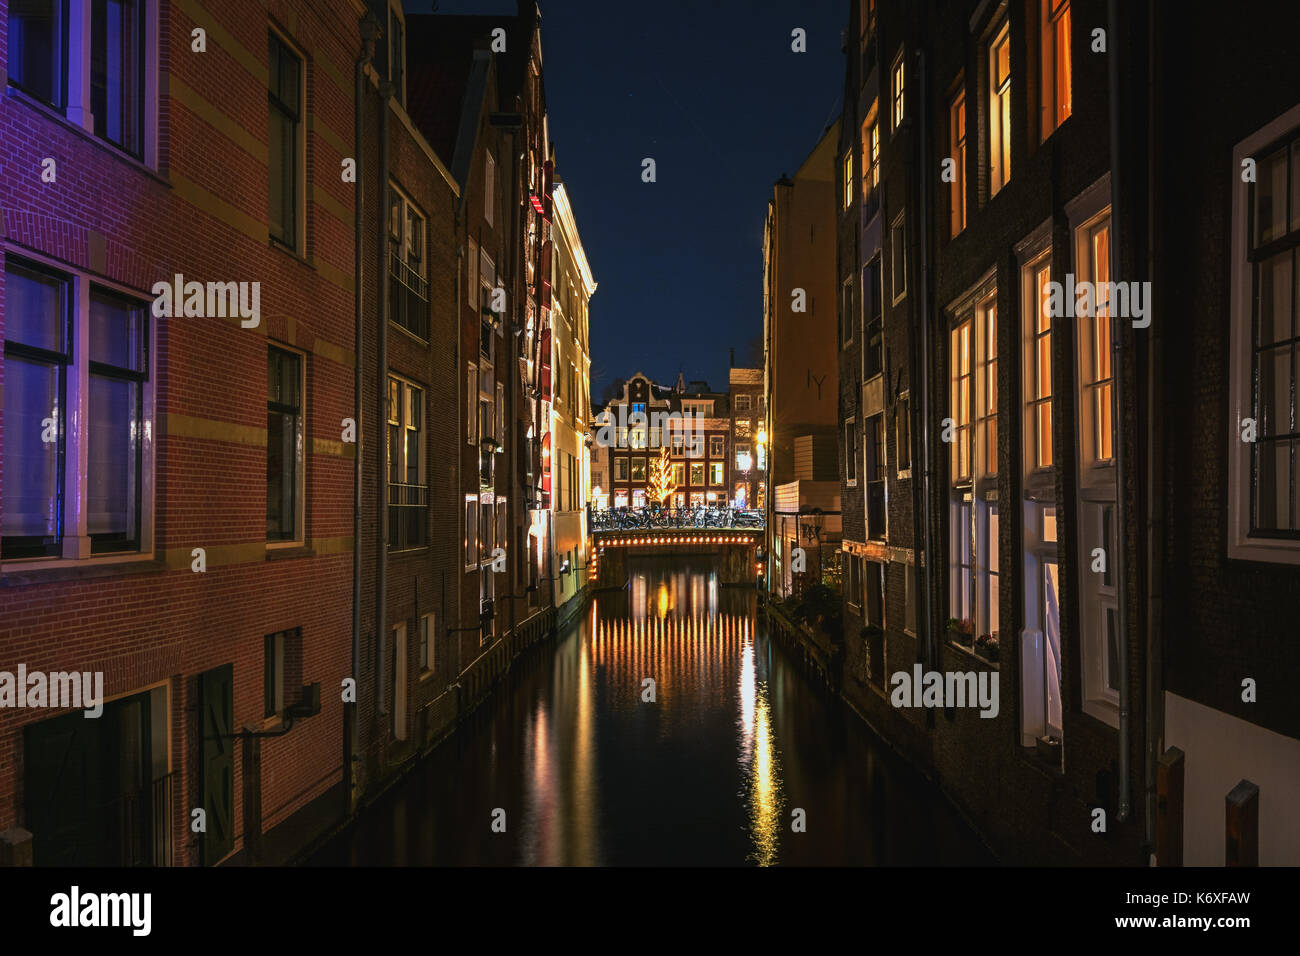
<point x="381" y="461"/>
<point x="1154" y="515"/>
<point x="925" y="547"/>
<point x="1117" y="210"/>
<point x="369" y="34"/>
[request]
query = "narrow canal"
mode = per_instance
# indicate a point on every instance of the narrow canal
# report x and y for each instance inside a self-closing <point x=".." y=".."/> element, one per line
<point x="710" y="772"/>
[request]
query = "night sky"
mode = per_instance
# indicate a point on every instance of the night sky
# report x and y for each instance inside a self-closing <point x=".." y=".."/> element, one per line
<point x="711" y="90"/>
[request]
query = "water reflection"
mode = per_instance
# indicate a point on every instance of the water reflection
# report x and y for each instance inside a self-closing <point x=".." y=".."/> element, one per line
<point x="590" y="771"/>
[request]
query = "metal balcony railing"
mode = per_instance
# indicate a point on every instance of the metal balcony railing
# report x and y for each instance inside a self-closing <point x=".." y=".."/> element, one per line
<point x="408" y="297"/>
<point x="407" y="511"/>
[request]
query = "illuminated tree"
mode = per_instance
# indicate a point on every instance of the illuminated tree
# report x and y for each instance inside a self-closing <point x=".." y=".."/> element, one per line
<point x="660" y="485"/>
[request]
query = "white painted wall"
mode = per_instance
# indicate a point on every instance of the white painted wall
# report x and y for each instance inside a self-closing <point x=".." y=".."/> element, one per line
<point x="1221" y="750"/>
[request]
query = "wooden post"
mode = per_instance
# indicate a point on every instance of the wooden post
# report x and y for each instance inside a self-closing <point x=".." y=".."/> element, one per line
<point x="1169" y="808"/>
<point x="1242" y="836"/>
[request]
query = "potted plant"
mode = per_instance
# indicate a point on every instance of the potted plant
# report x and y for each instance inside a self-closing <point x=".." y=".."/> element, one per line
<point x="965" y="632"/>
<point x="986" y="645"/>
<point x="950" y="627"/>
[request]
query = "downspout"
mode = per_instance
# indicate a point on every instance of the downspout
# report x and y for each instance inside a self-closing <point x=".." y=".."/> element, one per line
<point x="1155" y="516"/>
<point x="381" y="462"/>
<point x="369" y="34"/>
<point x="1118" y="371"/>
<point x="926" y="550"/>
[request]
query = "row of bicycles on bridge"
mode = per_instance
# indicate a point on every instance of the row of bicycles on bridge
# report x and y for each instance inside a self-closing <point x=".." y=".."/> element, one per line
<point x="699" y="516"/>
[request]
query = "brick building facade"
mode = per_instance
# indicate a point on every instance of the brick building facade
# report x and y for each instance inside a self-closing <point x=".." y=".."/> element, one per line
<point x="1057" y="525"/>
<point x="184" y="530"/>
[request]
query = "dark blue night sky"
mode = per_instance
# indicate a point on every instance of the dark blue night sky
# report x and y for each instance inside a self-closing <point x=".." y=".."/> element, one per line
<point x="712" y="92"/>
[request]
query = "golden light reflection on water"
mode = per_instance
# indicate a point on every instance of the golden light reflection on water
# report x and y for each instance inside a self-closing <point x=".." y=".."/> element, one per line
<point x="672" y="628"/>
<point x="758" y="759"/>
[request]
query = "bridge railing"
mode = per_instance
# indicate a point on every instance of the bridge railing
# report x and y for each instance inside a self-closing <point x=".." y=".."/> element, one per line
<point x="632" y="519"/>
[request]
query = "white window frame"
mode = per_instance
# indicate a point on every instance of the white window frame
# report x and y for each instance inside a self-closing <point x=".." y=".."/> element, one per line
<point x="1029" y="400"/>
<point x="898" y="257"/>
<point x="75" y="75"/>
<point x="1242" y="545"/>
<point x="903" y="443"/>
<point x="1035" y="660"/>
<point x="75" y="511"/>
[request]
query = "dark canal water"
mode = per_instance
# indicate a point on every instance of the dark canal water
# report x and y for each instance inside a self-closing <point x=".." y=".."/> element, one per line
<point x="588" y="773"/>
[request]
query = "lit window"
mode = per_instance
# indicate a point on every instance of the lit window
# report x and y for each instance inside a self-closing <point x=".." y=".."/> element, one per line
<point x="407" y="491"/>
<point x="960" y="400"/>
<point x="1055" y="39"/>
<point x="985" y="358"/>
<point x="898" y="91"/>
<point x="848" y="179"/>
<point x="1038" y="378"/>
<point x="999" y="67"/>
<point x="697" y="474"/>
<point x="716" y="473"/>
<point x="957" y="138"/>
<point x="1095" y="379"/>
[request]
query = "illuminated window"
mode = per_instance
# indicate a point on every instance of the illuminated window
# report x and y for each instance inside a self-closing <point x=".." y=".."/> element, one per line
<point x="959" y="393"/>
<point x="848" y="179"/>
<point x="1055" y="90"/>
<point x="999" y="67"/>
<point x="697" y="474"/>
<point x="985" y="358"/>
<point x="716" y="473"/>
<point x="1038" y="378"/>
<point x="898" y="76"/>
<point x="957" y="137"/>
<point x="870" y="152"/>
<point x="1095" y="379"/>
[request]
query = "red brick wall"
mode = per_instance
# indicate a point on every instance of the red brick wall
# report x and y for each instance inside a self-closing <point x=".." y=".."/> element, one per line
<point x="142" y="625"/>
